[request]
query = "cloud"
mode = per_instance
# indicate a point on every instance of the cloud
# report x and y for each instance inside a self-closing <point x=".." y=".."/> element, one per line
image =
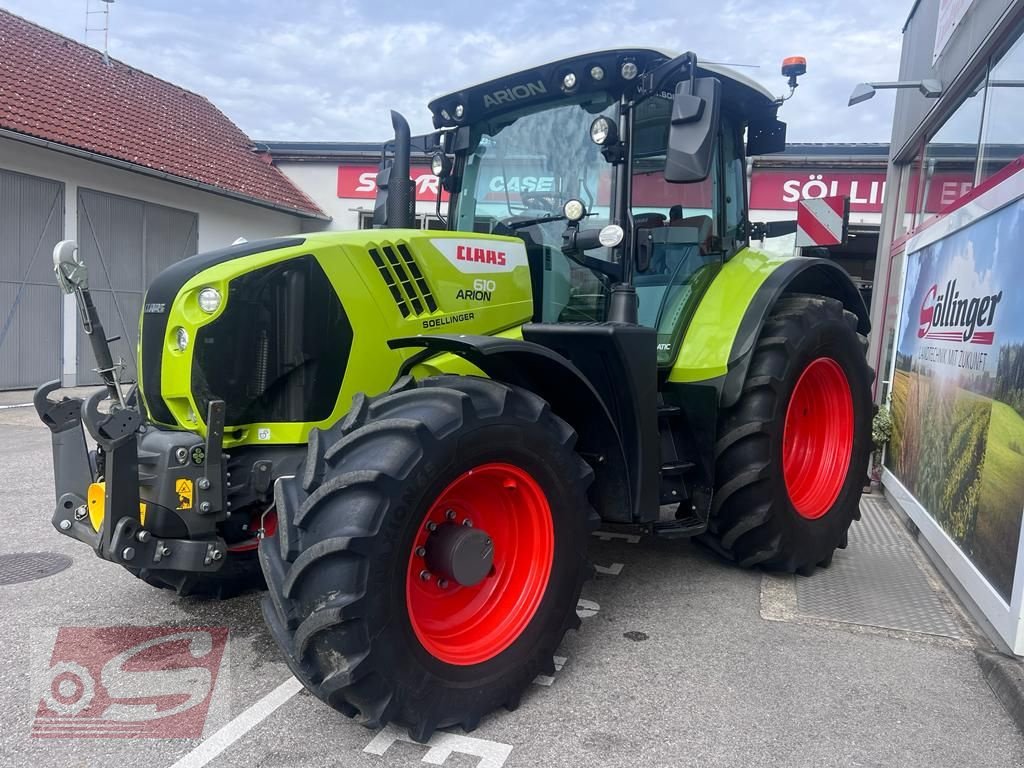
<point x="327" y="70"/>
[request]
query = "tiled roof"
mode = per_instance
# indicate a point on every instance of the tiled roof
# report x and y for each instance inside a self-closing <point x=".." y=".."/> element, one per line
<point x="54" y="88"/>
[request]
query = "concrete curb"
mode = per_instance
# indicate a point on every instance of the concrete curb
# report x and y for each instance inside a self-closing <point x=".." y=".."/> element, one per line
<point x="1005" y="676"/>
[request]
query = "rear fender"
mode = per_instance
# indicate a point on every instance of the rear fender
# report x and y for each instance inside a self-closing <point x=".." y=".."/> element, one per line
<point x="571" y="396"/>
<point x="794" y="276"/>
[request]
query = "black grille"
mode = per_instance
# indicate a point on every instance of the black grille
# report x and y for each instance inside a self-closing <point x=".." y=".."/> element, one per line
<point x="404" y="279"/>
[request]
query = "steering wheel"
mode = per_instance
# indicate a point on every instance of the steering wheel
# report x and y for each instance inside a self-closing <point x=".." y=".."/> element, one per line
<point x="544" y="201"/>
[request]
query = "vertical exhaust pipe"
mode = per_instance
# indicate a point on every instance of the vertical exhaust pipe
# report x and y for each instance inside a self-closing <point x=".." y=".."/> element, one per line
<point x="394" y="206"/>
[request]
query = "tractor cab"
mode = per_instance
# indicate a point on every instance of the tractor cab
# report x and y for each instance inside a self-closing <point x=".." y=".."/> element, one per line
<point x="624" y="167"/>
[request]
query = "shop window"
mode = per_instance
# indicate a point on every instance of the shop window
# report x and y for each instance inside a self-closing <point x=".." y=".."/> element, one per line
<point x="951" y="156"/>
<point x="1004" y="104"/>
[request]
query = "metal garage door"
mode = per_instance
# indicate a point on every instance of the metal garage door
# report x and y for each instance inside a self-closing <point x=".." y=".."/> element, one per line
<point x="31" y="223"/>
<point x="125" y="243"/>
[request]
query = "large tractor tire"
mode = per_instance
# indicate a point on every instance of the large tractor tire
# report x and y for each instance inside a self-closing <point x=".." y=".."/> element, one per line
<point x="430" y="553"/>
<point x="792" y="453"/>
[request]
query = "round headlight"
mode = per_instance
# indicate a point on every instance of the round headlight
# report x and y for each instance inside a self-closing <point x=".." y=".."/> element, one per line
<point x="569" y="81"/>
<point x="181" y="338"/>
<point x="209" y="300"/>
<point x="574" y="210"/>
<point x="459" y="111"/>
<point x="438" y="164"/>
<point x="597" y="72"/>
<point x="629" y="70"/>
<point x="603" y="131"/>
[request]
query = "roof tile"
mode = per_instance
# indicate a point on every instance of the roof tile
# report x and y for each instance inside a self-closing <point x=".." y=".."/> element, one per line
<point x="57" y="89"/>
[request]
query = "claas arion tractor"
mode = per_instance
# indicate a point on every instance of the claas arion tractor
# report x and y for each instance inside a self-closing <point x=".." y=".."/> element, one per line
<point x="410" y="434"/>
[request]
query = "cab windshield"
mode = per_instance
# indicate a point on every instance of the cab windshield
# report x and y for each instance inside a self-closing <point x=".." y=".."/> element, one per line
<point x="519" y="172"/>
<point x="522" y="168"/>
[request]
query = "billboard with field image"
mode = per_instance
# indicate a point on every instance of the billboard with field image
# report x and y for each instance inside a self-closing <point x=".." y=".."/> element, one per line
<point x="958" y="389"/>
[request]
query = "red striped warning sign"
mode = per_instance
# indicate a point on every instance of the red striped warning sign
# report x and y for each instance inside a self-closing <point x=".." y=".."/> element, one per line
<point x="822" y="221"/>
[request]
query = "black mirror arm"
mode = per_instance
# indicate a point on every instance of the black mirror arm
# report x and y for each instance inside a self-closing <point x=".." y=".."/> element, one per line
<point x="652" y="82"/>
<point x="760" y="230"/>
<point x="576" y="242"/>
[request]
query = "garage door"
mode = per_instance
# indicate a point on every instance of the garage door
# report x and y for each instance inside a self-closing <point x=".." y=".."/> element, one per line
<point x="125" y="243"/>
<point x="31" y="223"/>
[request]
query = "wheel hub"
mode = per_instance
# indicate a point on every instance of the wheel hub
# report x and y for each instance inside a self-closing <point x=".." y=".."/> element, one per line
<point x="460" y="554"/>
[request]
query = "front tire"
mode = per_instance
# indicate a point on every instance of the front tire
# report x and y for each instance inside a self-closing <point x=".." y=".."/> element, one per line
<point x="792" y="454"/>
<point x="376" y="519"/>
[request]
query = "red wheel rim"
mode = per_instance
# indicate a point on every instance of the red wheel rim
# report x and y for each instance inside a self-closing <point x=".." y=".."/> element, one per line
<point x="818" y="439"/>
<point x="471" y="624"/>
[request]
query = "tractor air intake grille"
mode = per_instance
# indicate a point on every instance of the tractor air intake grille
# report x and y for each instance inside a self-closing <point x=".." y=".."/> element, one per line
<point x="403" y="278"/>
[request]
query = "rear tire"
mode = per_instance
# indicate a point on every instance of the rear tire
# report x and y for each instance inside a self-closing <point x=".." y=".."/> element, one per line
<point x="792" y="454"/>
<point x="348" y="602"/>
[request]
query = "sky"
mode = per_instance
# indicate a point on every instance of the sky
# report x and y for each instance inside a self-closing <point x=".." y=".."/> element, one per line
<point x="329" y="70"/>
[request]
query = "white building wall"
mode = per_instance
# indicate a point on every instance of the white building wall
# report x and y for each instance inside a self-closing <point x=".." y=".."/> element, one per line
<point x="319" y="180"/>
<point x="221" y="220"/>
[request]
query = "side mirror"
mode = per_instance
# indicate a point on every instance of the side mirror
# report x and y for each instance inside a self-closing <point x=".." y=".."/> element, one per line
<point x="69" y="268"/>
<point x="691" y="136"/>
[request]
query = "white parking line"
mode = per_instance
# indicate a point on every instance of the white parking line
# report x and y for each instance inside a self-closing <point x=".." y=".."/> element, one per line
<point x="492" y="754"/>
<point x="17" y="405"/>
<point x="549" y="679"/>
<point x="241" y="725"/>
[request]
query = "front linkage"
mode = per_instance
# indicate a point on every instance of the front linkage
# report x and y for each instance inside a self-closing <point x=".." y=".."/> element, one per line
<point x="187" y="474"/>
<point x="99" y="494"/>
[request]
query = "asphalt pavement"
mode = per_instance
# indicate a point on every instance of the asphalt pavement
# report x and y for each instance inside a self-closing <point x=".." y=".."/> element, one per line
<point x="681" y="660"/>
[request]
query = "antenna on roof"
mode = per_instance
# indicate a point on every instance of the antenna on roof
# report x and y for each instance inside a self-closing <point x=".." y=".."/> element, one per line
<point x="102" y="25"/>
<point x="719" y="63"/>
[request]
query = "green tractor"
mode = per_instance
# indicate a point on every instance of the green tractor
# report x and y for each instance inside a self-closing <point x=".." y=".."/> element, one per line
<point x="411" y="434"/>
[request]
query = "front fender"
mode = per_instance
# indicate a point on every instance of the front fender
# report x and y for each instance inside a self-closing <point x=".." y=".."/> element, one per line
<point x="571" y="396"/>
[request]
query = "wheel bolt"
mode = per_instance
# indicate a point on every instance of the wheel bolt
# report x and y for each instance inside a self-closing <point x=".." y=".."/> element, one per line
<point x="450" y="514"/>
<point x="425" y="575"/>
<point x="431" y="526"/>
<point x="468" y="523"/>
<point x="421" y="551"/>
<point x="442" y="583"/>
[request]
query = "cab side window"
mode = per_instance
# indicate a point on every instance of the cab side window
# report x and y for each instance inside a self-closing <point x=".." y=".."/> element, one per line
<point x="734" y="177"/>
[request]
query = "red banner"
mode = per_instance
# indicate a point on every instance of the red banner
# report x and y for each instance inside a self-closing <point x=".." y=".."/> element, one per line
<point x="781" y="190"/>
<point x="360" y="181"/>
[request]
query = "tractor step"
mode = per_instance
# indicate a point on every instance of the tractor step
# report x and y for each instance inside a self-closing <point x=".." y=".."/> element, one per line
<point x="683" y="528"/>
<point x="677" y="467"/>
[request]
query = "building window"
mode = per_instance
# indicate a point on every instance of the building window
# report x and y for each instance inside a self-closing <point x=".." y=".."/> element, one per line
<point x="1004" y="104"/>
<point x="951" y="155"/>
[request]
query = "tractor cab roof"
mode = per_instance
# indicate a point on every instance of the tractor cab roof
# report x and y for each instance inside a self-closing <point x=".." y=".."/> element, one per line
<point x="546" y="82"/>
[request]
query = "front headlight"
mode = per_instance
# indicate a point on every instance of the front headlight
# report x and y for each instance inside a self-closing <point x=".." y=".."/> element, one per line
<point x="209" y="300"/>
<point x="181" y="338"/>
